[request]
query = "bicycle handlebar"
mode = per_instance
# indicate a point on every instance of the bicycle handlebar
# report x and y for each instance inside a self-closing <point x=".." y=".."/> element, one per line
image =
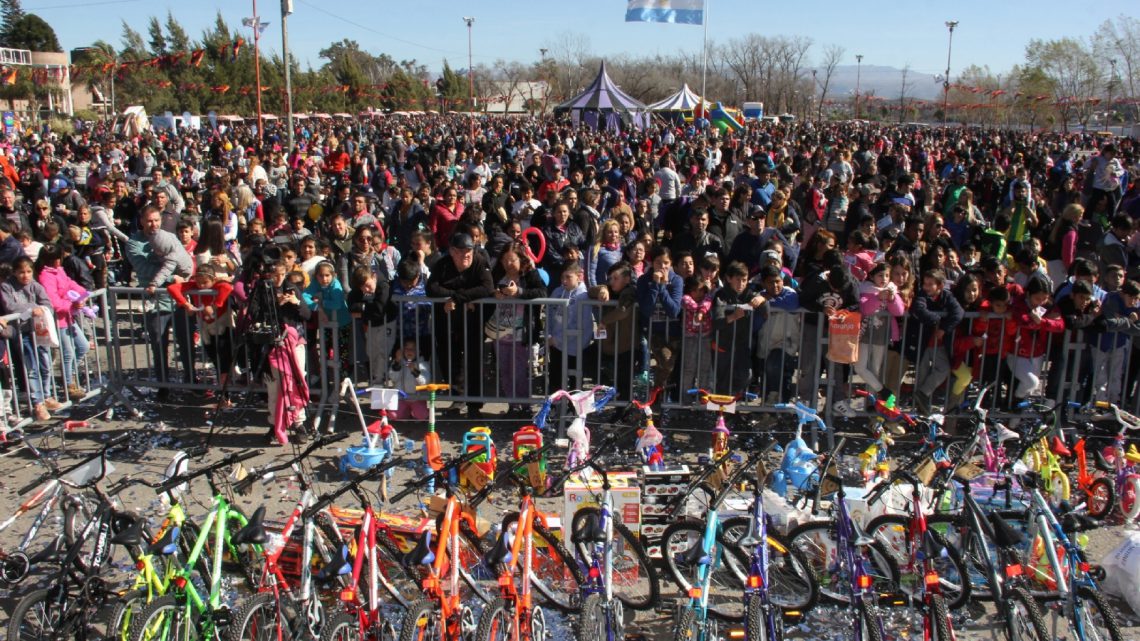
<point x="59" y="474"/>
<point x="232" y="459"/>
<point x="651" y="401"/>
<point x="255" y="473"/>
<point x="722" y="400"/>
<point x="599" y="402"/>
<point x="804" y="414"/>
<point x="432" y="387"/>
<point x="440" y="474"/>
<point x="372" y="473"/>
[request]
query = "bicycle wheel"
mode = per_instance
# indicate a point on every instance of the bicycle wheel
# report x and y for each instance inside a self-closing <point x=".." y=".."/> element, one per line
<point x="791" y="583"/>
<point x="1025" y="622"/>
<point x="422" y="622"/>
<point x="634" y="578"/>
<point x="495" y="624"/>
<point x="399" y="581"/>
<point x="756" y="623"/>
<point x="262" y="617"/>
<point x="816" y="542"/>
<point x="77" y="513"/>
<point x="939" y="616"/>
<point x="166" y="619"/>
<point x="870" y="622"/>
<point x="681" y="546"/>
<point x="472" y="569"/>
<point x="36" y="616"/>
<point x="1130" y="498"/>
<point x="594" y="623"/>
<point x="1096" y="620"/>
<point x="1101" y="498"/>
<point x="118" y="622"/>
<point x="342" y="627"/>
<point x="554" y="573"/>
<point x="893" y="531"/>
<point x="688" y="628"/>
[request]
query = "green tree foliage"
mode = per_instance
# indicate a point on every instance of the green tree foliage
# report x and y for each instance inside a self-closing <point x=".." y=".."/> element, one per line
<point x="31" y="32"/>
<point x="11" y="12"/>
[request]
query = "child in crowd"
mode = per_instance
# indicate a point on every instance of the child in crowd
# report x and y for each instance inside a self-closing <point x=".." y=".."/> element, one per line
<point x="214" y="315"/>
<point x="1111" y="348"/>
<point x="778" y="345"/>
<point x="935" y="316"/>
<point x="968" y="291"/>
<point x="684" y="264"/>
<point x="565" y="335"/>
<point x="369" y="302"/>
<point x="326" y="297"/>
<point x="405" y="372"/>
<point x="659" y="314"/>
<point x="697" y="310"/>
<point x="66" y="297"/>
<point x="21" y="294"/>
<point x="415" y="318"/>
<point x="1113" y="278"/>
<point x="511" y="325"/>
<point x="708" y="268"/>
<point x="1032" y="341"/>
<point x="858" y="259"/>
<point x="185" y="233"/>
<point x="733" y="318"/>
<point x="881" y="306"/>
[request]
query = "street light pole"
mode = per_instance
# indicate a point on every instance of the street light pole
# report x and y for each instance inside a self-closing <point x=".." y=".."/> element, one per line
<point x="470" y="20"/>
<point x="1111" y="86"/>
<point x="286" y="9"/>
<point x="950" y="24"/>
<point x="257" y="68"/>
<point x="858" y="80"/>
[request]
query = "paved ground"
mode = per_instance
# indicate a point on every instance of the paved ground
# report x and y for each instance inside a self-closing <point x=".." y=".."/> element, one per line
<point x="164" y="429"/>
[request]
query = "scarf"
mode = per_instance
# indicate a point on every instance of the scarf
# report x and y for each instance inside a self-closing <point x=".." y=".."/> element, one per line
<point x="776" y="216"/>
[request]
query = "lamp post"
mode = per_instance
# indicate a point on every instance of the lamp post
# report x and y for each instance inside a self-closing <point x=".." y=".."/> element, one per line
<point x="950" y="24"/>
<point x="286" y="9"/>
<point x="1111" y="86"/>
<point x="470" y="20"/>
<point x="255" y="24"/>
<point x="858" y="80"/>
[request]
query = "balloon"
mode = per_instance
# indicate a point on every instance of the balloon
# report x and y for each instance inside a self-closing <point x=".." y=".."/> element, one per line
<point x="537" y="258"/>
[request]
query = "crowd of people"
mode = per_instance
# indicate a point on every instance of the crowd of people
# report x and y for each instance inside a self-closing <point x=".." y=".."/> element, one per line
<point x="685" y="257"/>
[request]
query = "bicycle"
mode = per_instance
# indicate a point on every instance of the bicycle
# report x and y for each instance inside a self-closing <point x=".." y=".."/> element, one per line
<point x="1089" y="615"/>
<point x="856" y="567"/>
<point x="184" y="613"/>
<point x="1121" y="463"/>
<point x="615" y="562"/>
<point x="67" y="608"/>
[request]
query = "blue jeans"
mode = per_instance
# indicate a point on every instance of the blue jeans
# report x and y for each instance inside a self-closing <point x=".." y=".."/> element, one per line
<point x="74" y="346"/>
<point x="158" y="336"/>
<point x="37" y="368"/>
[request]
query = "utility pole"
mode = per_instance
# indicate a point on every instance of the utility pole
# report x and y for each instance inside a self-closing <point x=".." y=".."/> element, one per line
<point x="1111" y="86"/>
<point x="858" y="80"/>
<point x="470" y="20"/>
<point x="950" y="24"/>
<point x="255" y="24"/>
<point x="286" y="9"/>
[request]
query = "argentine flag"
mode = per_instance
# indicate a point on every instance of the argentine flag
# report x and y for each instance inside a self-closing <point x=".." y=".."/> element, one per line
<point x="676" y="11"/>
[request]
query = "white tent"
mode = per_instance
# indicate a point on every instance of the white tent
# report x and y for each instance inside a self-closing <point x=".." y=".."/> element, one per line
<point x="683" y="100"/>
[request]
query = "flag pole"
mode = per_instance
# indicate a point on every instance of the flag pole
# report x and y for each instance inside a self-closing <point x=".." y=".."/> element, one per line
<point x="704" y="58"/>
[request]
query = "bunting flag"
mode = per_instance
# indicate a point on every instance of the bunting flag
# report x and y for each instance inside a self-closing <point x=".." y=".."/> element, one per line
<point x="7" y="76"/>
<point x="196" y="57"/>
<point x="237" y="47"/>
<point x="674" y="11"/>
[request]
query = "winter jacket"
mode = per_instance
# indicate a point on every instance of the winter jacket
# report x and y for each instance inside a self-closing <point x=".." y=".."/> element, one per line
<point x="57" y="284"/>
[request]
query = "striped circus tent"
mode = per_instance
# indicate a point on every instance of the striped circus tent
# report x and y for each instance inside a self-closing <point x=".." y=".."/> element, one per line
<point x="603" y="105"/>
<point x="684" y="100"/>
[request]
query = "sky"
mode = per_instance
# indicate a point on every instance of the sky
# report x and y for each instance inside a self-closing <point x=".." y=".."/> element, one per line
<point x="895" y="33"/>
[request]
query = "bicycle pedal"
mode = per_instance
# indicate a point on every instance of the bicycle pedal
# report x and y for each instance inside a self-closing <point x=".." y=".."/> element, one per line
<point x="667" y="607"/>
<point x="222" y="617"/>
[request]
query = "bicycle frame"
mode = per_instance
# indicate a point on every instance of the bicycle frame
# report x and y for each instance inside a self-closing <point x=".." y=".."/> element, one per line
<point x="600" y="565"/>
<point x="216" y="520"/>
<point x="447" y="551"/>
<point x="15" y="564"/>
<point x="518" y="594"/>
<point x="757" y="582"/>
<point x="367" y="539"/>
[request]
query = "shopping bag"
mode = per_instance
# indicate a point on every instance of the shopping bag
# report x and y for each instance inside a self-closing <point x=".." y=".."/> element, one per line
<point x="46" y="333"/>
<point x="843" y="337"/>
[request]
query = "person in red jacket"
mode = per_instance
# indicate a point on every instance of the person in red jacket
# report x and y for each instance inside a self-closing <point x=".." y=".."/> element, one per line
<point x="1032" y="339"/>
<point x="215" y="316"/>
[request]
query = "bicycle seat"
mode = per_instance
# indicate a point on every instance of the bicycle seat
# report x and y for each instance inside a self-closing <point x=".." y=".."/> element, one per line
<point x="167" y="544"/>
<point x="1005" y="536"/>
<point x="1073" y="522"/>
<point x="421" y="554"/>
<point x="128" y="530"/>
<point x="501" y="551"/>
<point x="694" y="556"/>
<point x="337" y="566"/>
<point x="254" y="532"/>
<point x="591" y="530"/>
<point x="1058" y="447"/>
<point x="1102" y="463"/>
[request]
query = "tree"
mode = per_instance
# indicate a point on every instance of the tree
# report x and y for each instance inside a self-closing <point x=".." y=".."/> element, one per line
<point x="12" y="12"/>
<point x="32" y="33"/>
<point x="451" y="86"/>
<point x="176" y="38"/>
<point x="570" y="53"/>
<point x="1120" y="41"/>
<point x="157" y="38"/>
<point x="832" y="56"/>
<point x="904" y="88"/>
<point x="1073" y="69"/>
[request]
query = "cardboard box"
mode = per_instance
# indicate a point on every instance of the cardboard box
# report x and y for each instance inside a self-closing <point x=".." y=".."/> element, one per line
<point x="669" y="474"/>
<point x="585" y="491"/>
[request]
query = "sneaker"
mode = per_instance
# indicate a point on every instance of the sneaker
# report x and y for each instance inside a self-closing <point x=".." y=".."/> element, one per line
<point x="40" y="413"/>
<point x="52" y="405"/>
<point x="74" y="391"/>
<point x="843" y="408"/>
<point x="298" y="433"/>
<point x="1003" y="433"/>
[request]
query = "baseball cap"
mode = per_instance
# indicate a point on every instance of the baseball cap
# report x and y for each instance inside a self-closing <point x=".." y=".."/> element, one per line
<point x="58" y="184"/>
<point x="462" y="241"/>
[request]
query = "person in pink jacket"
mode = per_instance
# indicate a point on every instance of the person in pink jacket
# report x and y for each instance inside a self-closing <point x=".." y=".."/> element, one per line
<point x="66" y="297"/>
<point x="881" y="306"/>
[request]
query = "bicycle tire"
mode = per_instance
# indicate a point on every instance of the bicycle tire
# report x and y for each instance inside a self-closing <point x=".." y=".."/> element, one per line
<point x="592" y="620"/>
<point x="1027" y="620"/>
<point x="554" y="575"/>
<point x="892" y="530"/>
<point x="756" y="627"/>
<point x="164" y="619"/>
<point x="495" y="623"/>
<point x="118" y="621"/>
<point x="1101" y="498"/>
<point x="724" y="586"/>
<point x="939" y="614"/>
<point x="398" y="580"/>
<point x="342" y="627"/>
<point x="631" y="565"/>
<point x="791" y="584"/>
<point x="262" y="613"/>
<point x="76" y="515"/>
<point x="1130" y="498"/>
<point x="872" y="622"/>
<point x="688" y="629"/>
<point x="473" y="570"/>
<point x="421" y="622"/>
<point x="815" y="541"/>
<point x="35" y="604"/>
<point x="1107" y="616"/>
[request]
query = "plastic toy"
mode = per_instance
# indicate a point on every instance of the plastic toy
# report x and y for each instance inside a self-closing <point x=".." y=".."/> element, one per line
<point x="798" y="469"/>
<point x="583" y="402"/>
<point x="433" y="451"/>
<point x="526" y="440"/>
<point x="649" y="438"/>
<point x="478" y="438"/>
<point x="722" y="120"/>
<point x="380" y="437"/>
